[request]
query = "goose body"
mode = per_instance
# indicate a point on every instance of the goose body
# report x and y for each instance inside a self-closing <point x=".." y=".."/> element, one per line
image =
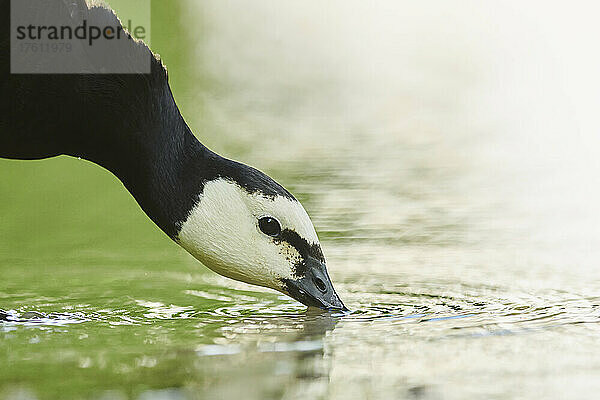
<point x="233" y="218"/>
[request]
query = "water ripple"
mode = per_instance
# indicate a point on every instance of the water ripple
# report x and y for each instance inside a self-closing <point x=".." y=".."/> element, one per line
<point x="443" y="313"/>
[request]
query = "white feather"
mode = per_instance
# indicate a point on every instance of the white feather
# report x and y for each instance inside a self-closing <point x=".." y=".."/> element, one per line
<point x="222" y="232"/>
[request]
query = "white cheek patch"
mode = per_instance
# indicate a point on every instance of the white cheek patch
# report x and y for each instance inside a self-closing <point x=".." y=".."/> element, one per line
<point x="222" y="232"/>
<point x="288" y="212"/>
<point x="214" y="226"/>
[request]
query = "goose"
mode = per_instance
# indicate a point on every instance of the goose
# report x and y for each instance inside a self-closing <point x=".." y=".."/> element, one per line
<point x="233" y="218"/>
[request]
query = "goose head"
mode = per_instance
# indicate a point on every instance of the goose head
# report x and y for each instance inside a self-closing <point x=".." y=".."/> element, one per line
<point x="247" y="227"/>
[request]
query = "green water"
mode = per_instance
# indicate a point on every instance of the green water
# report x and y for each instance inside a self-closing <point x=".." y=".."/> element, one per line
<point x="470" y="264"/>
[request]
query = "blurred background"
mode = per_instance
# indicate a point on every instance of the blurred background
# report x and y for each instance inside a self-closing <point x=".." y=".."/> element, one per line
<point x="447" y="153"/>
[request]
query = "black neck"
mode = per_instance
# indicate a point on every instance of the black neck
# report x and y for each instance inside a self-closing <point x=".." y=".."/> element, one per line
<point x="146" y="143"/>
<point x="127" y="123"/>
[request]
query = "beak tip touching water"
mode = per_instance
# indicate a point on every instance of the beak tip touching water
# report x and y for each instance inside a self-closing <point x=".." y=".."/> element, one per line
<point x="315" y="289"/>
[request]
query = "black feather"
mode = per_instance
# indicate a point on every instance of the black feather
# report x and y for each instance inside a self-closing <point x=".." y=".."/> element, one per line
<point x="127" y="123"/>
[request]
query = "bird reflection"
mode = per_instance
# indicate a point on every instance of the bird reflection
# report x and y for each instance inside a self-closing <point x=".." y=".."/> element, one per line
<point x="312" y="367"/>
<point x="269" y="356"/>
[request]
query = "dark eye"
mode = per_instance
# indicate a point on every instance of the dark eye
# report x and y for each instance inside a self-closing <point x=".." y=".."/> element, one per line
<point x="269" y="226"/>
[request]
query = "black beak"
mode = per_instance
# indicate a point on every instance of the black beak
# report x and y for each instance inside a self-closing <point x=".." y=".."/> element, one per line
<point x="314" y="289"/>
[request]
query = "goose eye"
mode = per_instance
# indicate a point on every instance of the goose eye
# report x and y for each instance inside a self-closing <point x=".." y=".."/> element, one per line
<point x="269" y="226"/>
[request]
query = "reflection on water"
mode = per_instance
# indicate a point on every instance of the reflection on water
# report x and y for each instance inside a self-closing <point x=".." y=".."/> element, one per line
<point x="278" y="349"/>
<point x="476" y="312"/>
<point x="456" y="208"/>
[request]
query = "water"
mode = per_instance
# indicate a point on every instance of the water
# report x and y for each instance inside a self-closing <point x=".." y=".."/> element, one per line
<point x="456" y="208"/>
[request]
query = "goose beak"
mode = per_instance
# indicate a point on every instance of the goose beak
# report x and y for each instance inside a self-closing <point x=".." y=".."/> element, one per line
<point x="314" y="289"/>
